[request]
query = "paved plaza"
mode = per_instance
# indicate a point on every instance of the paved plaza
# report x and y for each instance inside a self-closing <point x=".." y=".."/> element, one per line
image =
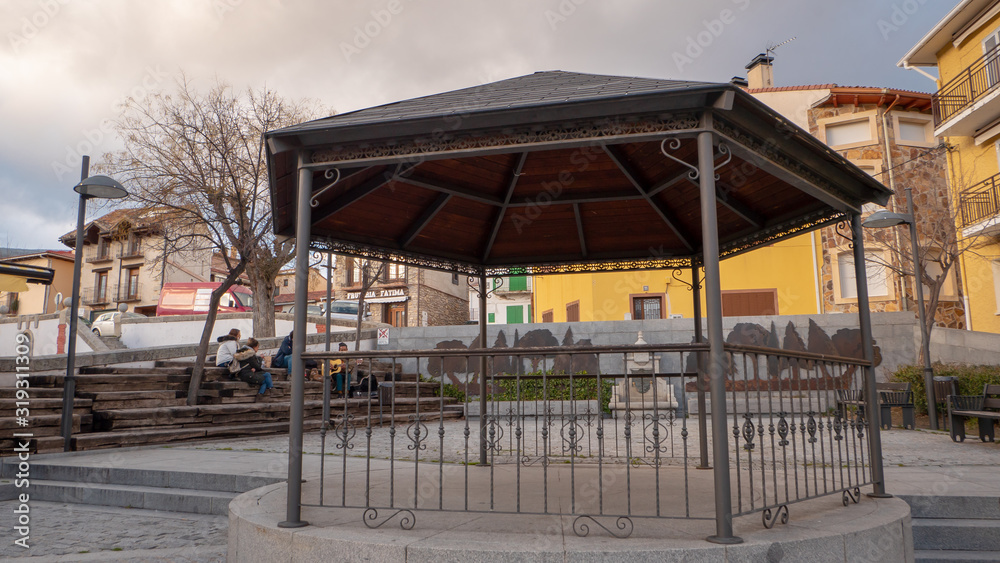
<point x="916" y="462"/>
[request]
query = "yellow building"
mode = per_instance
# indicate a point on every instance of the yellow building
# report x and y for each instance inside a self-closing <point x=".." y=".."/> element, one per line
<point x="40" y="299"/>
<point x="965" y="48"/>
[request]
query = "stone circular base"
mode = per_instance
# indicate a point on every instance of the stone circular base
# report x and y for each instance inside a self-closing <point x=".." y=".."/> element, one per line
<point x="818" y="531"/>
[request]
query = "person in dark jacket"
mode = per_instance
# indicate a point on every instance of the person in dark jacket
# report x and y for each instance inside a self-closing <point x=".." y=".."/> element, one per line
<point x="283" y="358"/>
<point x="251" y="370"/>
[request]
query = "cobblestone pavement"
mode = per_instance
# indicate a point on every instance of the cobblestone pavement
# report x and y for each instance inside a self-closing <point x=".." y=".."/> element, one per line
<point x="74" y="532"/>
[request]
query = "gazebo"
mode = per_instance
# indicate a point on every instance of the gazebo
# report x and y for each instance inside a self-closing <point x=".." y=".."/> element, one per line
<point x="559" y="172"/>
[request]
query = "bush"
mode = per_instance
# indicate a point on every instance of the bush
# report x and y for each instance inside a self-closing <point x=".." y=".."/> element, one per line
<point x="584" y="389"/>
<point x="971" y="380"/>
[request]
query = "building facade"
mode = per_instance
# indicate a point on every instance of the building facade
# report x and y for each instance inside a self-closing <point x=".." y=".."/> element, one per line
<point x="124" y="262"/>
<point x="965" y="48"/>
<point x="40" y="299"/>
<point x="509" y="300"/>
<point x="405" y="296"/>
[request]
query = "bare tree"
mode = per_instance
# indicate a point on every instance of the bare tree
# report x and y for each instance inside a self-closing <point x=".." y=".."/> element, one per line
<point x="370" y="273"/>
<point x="199" y="161"/>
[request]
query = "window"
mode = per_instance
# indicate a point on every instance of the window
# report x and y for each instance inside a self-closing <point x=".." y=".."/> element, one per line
<point x="454" y="279"/>
<point x="133" y="245"/>
<point x="750" y="302"/>
<point x="913" y="129"/>
<point x="949" y="287"/>
<point x="850" y="130"/>
<point x="573" y="312"/>
<point x="491" y="317"/>
<point x="132" y="291"/>
<point x="395" y="272"/>
<point x="103" y="247"/>
<point x="547" y="316"/>
<point x="517" y="283"/>
<point x="990" y="47"/>
<point x="845" y="286"/>
<point x="284" y="282"/>
<point x="874" y="169"/>
<point x="353" y="271"/>
<point x="515" y="314"/>
<point x="101" y="286"/>
<point x="647" y="307"/>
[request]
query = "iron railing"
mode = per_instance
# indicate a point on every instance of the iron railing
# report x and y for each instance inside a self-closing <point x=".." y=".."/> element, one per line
<point x="96" y="255"/>
<point x="577" y="431"/>
<point x="980" y="201"/>
<point x="970" y="86"/>
<point x="128" y="292"/>
<point x="97" y="296"/>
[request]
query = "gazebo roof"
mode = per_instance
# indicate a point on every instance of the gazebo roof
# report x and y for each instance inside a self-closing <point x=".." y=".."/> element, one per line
<point x="561" y="172"/>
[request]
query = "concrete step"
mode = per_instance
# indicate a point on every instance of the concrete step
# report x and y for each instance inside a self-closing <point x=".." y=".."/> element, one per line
<point x="970" y="534"/>
<point x="933" y="506"/>
<point x="942" y="556"/>
<point x="133" y="496"/>
<point x="113" y="343"/>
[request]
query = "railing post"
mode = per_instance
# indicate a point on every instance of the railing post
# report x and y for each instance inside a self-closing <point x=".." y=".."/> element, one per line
<point x="483" y="294"/>
<point x="871" y="395"/>
<point x="717" y="354"/>
<point x="303" y="227"/>
<point x="699" y="337"/>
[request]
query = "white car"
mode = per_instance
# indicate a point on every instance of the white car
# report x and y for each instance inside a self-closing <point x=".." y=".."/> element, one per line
<point x="104" y="324"/>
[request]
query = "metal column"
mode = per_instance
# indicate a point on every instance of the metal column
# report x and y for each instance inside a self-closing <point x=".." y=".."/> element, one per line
<point x="699" y="358"/>
<point x="871" y="396"/>
<point x="69" y="383"/>
<point x="482" y="371"/>
<point x="717" y="354"/>
<point x="303" y="224"/>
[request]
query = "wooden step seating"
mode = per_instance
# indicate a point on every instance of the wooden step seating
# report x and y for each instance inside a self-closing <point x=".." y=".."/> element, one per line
<point x="128" y="406"/>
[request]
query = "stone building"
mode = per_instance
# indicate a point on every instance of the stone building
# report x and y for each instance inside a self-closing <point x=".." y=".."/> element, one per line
<point x="889" y="134"/>
<point x="406" y="296"/>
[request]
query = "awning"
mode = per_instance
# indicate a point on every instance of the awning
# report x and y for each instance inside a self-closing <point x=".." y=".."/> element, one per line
<point x="396" y="299"/>
<point x="15" y="284"/>
<point x="16" y="278"/>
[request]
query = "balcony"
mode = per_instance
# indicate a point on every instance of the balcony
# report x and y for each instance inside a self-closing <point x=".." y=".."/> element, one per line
<point x="127" y="293"/>
<point x="132" y="253"/>
<point x="957" y="105"/>
<point x="98" y="255"/>
<point x="980" y="203"/>
<point x="96" y="296"/>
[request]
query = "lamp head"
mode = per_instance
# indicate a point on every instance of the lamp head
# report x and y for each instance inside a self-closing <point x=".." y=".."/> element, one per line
<point x="100" y="187"/>
<point x="881" y="219"/>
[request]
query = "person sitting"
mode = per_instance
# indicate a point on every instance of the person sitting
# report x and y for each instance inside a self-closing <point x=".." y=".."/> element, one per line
<point x="251" y="370"/>
<point x="228" y="344"/>
<point x="283" y="359"/>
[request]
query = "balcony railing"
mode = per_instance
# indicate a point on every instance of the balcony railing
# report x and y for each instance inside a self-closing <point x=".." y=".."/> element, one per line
<point x="95" y="296"/>
<point x="97" y="255"/>
<point x="126" y="293"/>
<point x="970" y="86"/>
<point x="980" y="201"/>
<point x="130" y="253"/>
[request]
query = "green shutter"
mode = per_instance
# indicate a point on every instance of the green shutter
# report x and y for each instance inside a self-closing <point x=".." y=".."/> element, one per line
<point x="490" y="318"/>
<point x="517" y="283"/>
<point x="515" y="314"/>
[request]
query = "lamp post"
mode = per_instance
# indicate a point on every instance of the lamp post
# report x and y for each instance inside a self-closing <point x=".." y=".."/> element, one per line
<point x="90" y="187"/>
<point x="881" y="219"/>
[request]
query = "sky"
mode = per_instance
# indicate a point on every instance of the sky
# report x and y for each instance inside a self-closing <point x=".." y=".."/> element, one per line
<point x="65" y="66"/>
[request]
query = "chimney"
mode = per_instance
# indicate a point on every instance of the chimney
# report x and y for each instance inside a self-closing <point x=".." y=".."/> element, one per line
<point x="760" y="73"/>
<point x="738" y="81"/>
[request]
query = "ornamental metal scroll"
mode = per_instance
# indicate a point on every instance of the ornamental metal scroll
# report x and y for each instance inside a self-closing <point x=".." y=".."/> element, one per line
<point x="331" y="173"/>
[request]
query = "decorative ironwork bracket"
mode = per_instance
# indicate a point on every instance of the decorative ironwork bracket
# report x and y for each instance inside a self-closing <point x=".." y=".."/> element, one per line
<point x="724" y="150"/>
<point x="770" y="518"/>
<point x="623" y="526"/>
<point x="674" y="143"/>
<point x="850" y="496"/>
<point x="497" y="282"/>
<point x="333" y="173"/>
<point x="840" y="228"/>
<point x="406" y="522"/>
<point x="676" y="275"/>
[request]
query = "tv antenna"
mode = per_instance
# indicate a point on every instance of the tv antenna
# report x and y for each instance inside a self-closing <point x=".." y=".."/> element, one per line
<point x="769" y="50"/>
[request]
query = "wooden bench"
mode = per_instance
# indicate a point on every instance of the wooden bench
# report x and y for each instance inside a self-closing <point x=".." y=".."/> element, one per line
<point x="847" y="398"/>
<point x="895" y="395"/>
<point x="985" y="408"/>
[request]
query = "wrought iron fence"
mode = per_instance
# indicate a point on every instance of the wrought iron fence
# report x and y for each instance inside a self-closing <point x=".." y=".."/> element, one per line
<point x="600" y="433"/>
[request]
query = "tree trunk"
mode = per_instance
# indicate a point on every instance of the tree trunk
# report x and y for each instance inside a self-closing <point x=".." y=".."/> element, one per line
<point x="263" y="304"/>
<point x="198" y="373"/>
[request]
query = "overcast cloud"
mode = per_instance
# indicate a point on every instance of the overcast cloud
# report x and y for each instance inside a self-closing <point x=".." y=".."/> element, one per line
<point x="64" y="65"/>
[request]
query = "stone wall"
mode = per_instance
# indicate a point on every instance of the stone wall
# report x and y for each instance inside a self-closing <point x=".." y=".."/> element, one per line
<point x="441" y="308"/>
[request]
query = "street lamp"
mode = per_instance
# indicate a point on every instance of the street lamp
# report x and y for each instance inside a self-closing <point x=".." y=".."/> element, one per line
<point x="881" y="219"/>
<point x="90" y="187"/>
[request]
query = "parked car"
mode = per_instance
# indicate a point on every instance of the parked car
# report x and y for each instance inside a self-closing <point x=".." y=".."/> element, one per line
<point x="104" y="324"/>
<point x="193" y="299"/>
<point x="343" y="310"/>
<point x="311" y="310"/>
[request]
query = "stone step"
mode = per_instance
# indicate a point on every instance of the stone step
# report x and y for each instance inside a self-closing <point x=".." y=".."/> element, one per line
<point x="944" y="556"/>
<point x="133" y="496"/>
<point x="113" y="343"/>
<point x="33" y="392"/>
<point x="943" y="506"/>
<point x="36" y="445"/>
<point x="44" y="424"/>
<point x="149" y="436"/>
<point x="39" y="406"/>
<point x="970" y="534"/>
<point x="114" y="370"/>
<point x="64" y="470"/>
